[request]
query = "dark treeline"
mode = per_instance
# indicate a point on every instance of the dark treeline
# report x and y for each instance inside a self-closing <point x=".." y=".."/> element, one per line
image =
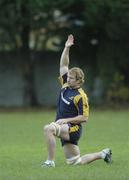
<point x="101" y="37"/>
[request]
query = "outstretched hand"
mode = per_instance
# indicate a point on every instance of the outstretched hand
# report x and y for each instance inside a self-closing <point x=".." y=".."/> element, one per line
<point x="70" y="41"/>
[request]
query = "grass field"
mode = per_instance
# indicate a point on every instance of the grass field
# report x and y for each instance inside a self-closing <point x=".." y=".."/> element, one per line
<point x="22" y="147"/>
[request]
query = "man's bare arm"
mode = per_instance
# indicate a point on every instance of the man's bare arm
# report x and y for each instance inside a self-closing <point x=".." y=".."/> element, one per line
<point x="64" y="61"/>
<point x="73" y="120"/>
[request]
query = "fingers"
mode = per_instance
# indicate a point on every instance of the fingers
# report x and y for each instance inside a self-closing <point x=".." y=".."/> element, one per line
<point x="60" y="121"/>
<point x="70" y="41"/>
<point x="71" y="38"/>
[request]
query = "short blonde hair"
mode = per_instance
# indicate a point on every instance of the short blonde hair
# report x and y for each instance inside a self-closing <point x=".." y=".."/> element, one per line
<point x="78" y="73"/>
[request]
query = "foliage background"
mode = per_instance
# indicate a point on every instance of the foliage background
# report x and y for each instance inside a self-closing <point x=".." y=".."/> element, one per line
<point x="101" y="36"/>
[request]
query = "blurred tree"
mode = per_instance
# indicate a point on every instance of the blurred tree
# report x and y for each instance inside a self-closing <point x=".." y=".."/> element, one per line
<point x="107" y="23"/>
<point x="100" y="27"/>
<point x="23" y="24"/>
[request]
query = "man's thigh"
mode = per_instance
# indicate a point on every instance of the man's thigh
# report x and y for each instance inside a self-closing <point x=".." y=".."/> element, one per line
<point x="64" y="132"/>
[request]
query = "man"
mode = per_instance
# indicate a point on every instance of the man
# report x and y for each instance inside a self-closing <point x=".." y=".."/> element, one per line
<point x="72" y="111"/>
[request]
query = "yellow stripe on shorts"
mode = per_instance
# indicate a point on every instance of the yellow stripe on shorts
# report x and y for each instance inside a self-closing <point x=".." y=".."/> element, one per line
<point x="74" y="128"/>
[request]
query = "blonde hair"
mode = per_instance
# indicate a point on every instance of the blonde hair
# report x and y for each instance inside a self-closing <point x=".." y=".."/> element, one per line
<point x="78" y="73"/>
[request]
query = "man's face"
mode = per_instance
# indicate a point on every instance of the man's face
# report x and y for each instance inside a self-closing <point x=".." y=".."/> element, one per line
<point x="71" y="80"/>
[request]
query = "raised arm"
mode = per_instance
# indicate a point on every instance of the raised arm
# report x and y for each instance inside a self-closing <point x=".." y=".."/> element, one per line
<point x="64" y="61"/>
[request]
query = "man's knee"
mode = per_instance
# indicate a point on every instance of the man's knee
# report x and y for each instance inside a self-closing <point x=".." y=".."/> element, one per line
<point x="46" y="128"/>
<point x="56" y="128"/>
<point x="76" y="160"/>
<point x="52" y="128"/>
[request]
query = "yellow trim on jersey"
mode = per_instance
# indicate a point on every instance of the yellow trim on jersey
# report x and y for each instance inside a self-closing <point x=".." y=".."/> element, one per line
<point x="62" y="82"/>
<point x="84" y="101"/>
<point x="76" y="99"/>
<point x="73" y="129"/>
<point x="65" y="85"/>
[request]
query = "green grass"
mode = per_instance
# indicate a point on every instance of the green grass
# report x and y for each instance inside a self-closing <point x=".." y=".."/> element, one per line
<point x="22" y="147"/>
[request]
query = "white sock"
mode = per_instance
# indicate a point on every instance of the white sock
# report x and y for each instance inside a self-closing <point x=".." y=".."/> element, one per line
<point x="104" y="152"/>
<point x="103" y="155"/>
<point x="49" y="161"/>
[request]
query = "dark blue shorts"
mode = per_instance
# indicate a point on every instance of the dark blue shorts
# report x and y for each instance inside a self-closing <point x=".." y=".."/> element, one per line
<point x="75" y="132"/>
